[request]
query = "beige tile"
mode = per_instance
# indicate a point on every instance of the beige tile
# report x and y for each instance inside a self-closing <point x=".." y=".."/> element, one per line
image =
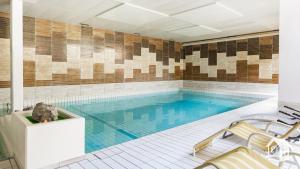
<point x="212" y="71"/>
<point x="242" y="55"/>
<point x="196" y="60"/>
<point x="189" y="58"/>
<point x="203" y="65"/>
<point x="29" y="54"/>
<point x="59" y="67"/>
<point x="43" y="67"/>
<point x="159" y="69"/>
<point x="128" y="69"/>
<point x="231" y="65"/>
<point x="4" y="59"/>
<point x="73" y="63"/>
<point x="253" y="59"/>
<point x="221" y="60"/>
<point x="265" y="69"/>
<point x="275" y="64"/>
<point x="86" y="68"/>
<point x="171" y="65"/>
<point x="99" y="57"/>
<point x="73" y="51"/>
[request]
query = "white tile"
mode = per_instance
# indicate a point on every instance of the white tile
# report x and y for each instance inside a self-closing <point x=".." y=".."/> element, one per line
<point x="100" y="164"/>
<point x="113" y="164"/>
<point x="75" y="166"/>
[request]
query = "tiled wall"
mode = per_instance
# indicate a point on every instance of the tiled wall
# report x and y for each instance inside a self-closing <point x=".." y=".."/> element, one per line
<point x="243" y="60"/>
<point x="62" y="54"/>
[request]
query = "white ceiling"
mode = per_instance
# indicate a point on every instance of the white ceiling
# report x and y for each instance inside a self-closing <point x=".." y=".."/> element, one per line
<point x="180" y="20"/>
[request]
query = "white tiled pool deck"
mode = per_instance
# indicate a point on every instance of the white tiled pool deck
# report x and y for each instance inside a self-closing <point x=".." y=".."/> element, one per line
<point x="170" y="148"/>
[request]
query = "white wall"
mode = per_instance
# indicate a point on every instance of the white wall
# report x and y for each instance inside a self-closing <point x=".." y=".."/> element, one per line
<point x="289" y="62"/>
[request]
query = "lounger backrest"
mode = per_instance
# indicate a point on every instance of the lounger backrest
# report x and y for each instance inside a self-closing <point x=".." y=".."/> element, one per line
<point x="291" y="130"/>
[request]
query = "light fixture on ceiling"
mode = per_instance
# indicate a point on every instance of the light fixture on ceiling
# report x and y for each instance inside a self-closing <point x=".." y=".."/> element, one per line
<point x="229" y="9"/>
<point x="210" y="28"/>
<point x="134" y="6"/>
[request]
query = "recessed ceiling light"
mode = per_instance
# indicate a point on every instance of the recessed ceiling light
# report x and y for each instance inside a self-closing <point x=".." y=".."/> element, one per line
<point x="142" y="8"/>
<point x="210" y="28"/>
<point x="229" y="9"/>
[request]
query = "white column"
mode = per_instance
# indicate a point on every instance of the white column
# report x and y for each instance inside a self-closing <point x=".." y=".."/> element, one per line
<point x="289" y="52"/>
<point x="16" y="49"/>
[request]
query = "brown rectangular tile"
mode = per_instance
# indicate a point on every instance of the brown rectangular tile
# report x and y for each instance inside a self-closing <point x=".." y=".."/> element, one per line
<point x="59" y="47"/>
<point x="165" y="49"/>
<point x="231" y="48"/>
<point x="253" y="73"/>
<point x="128" y="52"/>
<point x="59" y="79"/>
<point x="43" y="45"/>
<point x="98" y="44"/>
<point x="4" y="28"/>
<point x="221" y="75"/>
<point x="119" y="46"/>
<point x="152" y="72"/>
<point x="171" y="49"/>
<point x="177" y="57"/>
<point x="137" y="49"/>
<point x="145" y="42"/>
<point x="253" y="46"/>
<point x="73" y="76"/>
<point x="177" y="73"/>
<point x="196" y="48"/>
<point x="189" y="71"/>
<point x="109" y="39"/>
<point x="230" y="77"/>
<point x="98" y="73"/>
<point x="159" y="56"/>
<point x="86" y="43"/>
<point x="242" y="45"/>
<point x="241" y="71"/>
<point x="4" y="84"/>
<point x="28" y="73"/>
<point x="58" y="27"/>
<point x="212" y="79"/>
<point x="212" y="46"/>
<point x="212" y="57"/>
<point x="275" y="44"/>
<point x="87" y="81"/>
<point x="28" y="32"/>
<point x="109" y="78"/>
<point x="152" y="48"/>
<point x="266" y="40"/>
<point x="137" y="75"/>
<point x="165" y="74"/>
<point x="165" y="53"/>
<point x="196" y="73"/>
<point x="203" y="76"/>
<point x="221" y="47"/>
<point x="188" y="50"/>
<point x="204" y="51"/>
<point x="119" y="75"/>
<point x="265" y="52"/>
<point x="275" y="78"/>
<point x="265" y="81"/>
<point x="43" y="83"/>
<point x="42" y="27"/>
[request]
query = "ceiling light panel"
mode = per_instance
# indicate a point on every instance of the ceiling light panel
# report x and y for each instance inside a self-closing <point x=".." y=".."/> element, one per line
<point x="168" y="24"/>
<point x="131" y="14"/>
<point x="208" y="15"/>
<point x="194" y="31"/>
<point x="169" y="6"/>
<point x="253" y="8"/>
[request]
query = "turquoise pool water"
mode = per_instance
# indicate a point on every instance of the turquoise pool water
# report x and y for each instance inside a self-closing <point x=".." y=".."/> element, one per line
<point x="113" y="121"/>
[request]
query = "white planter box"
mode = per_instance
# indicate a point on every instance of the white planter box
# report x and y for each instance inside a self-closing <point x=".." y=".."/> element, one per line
<point x="43" y="144"/>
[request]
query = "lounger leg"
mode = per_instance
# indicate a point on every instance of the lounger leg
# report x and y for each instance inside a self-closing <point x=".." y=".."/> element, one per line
<point x="12" y="167"/>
